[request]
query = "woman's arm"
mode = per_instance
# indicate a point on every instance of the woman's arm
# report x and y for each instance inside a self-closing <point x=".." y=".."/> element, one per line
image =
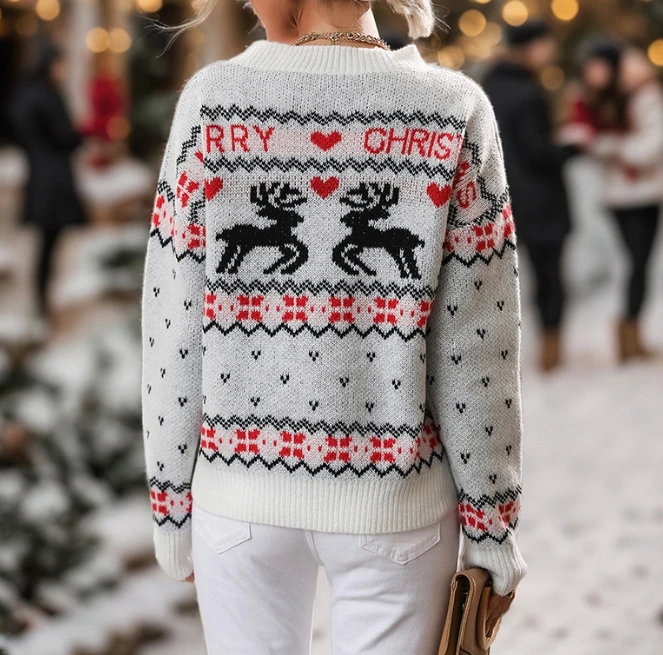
<point x="172" y="312"/>
<point x="473" y="354"/>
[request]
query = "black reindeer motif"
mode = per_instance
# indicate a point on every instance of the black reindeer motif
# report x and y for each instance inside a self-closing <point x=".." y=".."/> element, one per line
<point x="277" y="202"/>
<point x="369" y="203"/>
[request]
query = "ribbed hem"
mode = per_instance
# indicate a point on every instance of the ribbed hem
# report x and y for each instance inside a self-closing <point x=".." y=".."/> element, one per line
<point x="504" y="563"/>
<point x="337" y="59"/>
<point x="365" y="506"/>
<point x="173" y="550"/>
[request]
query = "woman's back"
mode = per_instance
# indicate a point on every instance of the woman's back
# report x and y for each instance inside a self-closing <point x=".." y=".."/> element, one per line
<point x="340" y="220"/>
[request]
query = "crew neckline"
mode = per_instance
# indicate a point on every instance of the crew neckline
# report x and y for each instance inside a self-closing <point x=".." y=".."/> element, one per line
<point x="334" y="59"/>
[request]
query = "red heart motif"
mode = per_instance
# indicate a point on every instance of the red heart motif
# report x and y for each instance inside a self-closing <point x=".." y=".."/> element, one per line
<point x="212" y="187"/>
<point x="324" y="188"/>
<point x="326" y="141"/>
<point x="439" y="195"/>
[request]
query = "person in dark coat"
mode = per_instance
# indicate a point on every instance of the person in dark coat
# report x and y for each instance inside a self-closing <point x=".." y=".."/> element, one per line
<point x="45" y="131"/>
<point x="534" y="168"/>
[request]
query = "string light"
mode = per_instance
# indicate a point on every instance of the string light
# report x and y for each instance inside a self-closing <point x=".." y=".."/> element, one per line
<point x="472" y="22"/>
<point x="565" y="9"/>
<point x="452" y="56"/>
<point x="149" y="6"/>
<point x="655" y="52"/>
<point x="47" y="9"/>
<point x="97" y="40"/>
<point x="482" y="2"/>
<point x="119" y="40"/>
<point x="492" y="34"/>
<point x="515" y="13"/>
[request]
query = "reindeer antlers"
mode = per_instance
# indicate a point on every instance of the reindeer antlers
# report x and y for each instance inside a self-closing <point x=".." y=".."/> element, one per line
<point x="371" y="196"/>
<point x="279" y="194"/>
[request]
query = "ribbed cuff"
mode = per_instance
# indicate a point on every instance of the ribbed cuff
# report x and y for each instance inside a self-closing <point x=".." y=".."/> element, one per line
<point x="173" y="551"/>
<point x="504" y="563"/>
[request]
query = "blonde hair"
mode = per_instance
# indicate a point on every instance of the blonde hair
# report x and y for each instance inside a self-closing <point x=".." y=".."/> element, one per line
<point x="419" y="14"/>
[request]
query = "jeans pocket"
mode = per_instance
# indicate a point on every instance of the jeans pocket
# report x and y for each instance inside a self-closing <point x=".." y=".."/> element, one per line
<point x="402" y="547"/>
<point x="218" y="532"/>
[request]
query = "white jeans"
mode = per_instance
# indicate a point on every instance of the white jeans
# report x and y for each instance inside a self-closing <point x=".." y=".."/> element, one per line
<point x="256" y="586"/>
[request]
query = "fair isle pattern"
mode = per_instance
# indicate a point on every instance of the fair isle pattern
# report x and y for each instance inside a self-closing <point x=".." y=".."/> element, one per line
<point x="317" y="447"/>
<point x="341" y="314"/>
<point x="331" y="304"/>
<point x="170" y="503"/>
<point x="490" y="518"/>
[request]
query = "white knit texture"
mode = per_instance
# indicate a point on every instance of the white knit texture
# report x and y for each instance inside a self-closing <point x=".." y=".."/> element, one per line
<point x="331" y="305"/>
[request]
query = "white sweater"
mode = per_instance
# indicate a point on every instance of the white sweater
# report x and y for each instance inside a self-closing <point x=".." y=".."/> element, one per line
<point x="331" y="308"/>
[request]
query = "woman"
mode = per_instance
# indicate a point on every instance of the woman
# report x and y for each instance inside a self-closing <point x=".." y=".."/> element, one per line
<point x="622" y="107"/>
<point x="45" y="131"/>
<point x="331" y="333"/>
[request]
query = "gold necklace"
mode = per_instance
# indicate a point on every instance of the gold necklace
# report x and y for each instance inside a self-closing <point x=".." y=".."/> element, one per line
<point x="335" y="37"/>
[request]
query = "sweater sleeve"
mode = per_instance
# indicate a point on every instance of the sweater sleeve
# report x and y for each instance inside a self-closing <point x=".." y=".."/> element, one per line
<point x="172" y="311"/>
<point x="473" y="354"/>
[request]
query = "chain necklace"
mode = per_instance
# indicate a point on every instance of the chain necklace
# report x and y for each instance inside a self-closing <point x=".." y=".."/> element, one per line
<point x="335" y="37"/>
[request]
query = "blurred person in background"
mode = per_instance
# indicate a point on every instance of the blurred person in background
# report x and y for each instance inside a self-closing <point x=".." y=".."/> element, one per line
<point x="44" y="129"/>
<point x="534" y="168"/>
<point x="107" y="106"/>
<point x="331" y="368"/>
<point x="620" y="116"/>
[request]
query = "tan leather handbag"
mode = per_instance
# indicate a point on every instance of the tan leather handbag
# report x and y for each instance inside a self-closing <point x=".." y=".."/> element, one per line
<point x="465" y="626"/>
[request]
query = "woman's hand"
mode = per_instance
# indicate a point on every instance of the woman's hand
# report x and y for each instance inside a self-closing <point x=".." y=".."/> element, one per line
<point x="498" y="606"/>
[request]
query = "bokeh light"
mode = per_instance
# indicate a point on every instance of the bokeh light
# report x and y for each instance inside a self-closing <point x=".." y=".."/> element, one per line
<point x="565" y="9"/>
<point x="47" y="9"/>
<point x="119" y="40"/>
<point x="149" y="6"/>
<point x="452" y="56"/>
<point x="97" y="40"/>
<point x="472" y="22"/>
<point x="655" y="52"/>
<point x="515" y="13"/>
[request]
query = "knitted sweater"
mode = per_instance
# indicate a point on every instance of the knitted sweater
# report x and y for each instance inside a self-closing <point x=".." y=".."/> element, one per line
<point x="331" y="304"/>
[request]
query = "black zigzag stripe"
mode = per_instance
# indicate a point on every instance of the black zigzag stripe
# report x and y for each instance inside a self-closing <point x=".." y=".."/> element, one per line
<point x="316" y="332"/>
<point x="452" y="256"/>
<point x="363" y="429"/>
<point x="164" y="187"/>
<point x="246" y="113"/>
<point x="487" y="536"/>
<point x="361" y="287"/>
<point x="497" y="204"/>
<point x="195" y="205"/>
<point x="191" y="142"/>
<point x="161" y="521"/>
<point x="251" y="164"/>
<point x="164" y="485"/>
<point x="168" y="241"/>
<point x="370" y="469"/>
<point x="499" y="498"/>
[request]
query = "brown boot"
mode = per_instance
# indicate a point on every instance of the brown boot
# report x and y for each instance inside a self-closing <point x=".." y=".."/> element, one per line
<point x="550" y="356"/>
<point x="630" y="341"/>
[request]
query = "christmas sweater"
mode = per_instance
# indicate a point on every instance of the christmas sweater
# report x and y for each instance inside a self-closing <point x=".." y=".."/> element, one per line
<point x="331" y="305"/>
